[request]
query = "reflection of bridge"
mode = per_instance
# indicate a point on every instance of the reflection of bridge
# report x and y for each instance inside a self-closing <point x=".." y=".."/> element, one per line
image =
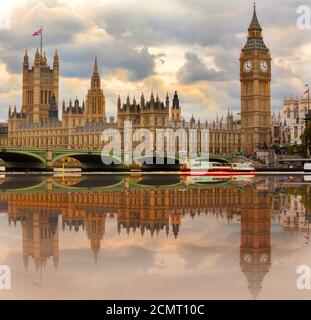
<point x="115" y="182"/>
<point x="91" y="160"/>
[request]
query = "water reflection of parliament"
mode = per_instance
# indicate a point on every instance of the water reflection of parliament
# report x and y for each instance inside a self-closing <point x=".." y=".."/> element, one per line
<point x="148" y="211"/>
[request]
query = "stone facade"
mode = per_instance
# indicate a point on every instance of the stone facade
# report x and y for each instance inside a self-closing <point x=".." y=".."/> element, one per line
<point x="82" y="124"/>
<point x="288" y="126"/>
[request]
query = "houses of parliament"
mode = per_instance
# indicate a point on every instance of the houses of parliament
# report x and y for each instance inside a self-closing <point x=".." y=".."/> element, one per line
<point x="38" y="122"/>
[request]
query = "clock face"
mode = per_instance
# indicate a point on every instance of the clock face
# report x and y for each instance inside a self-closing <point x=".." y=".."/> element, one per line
<point x="248" y="258"/>
<point x="248" y="66"/>
<point x="264" y="66"/>
<point x="264" y="258"/>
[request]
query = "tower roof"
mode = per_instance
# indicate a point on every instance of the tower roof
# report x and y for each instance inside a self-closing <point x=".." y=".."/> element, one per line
<point x="255" y="23"/>
<point x="254" y="39"/>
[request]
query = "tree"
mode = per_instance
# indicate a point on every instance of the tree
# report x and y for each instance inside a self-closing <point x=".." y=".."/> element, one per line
<point x="306" y="139"/>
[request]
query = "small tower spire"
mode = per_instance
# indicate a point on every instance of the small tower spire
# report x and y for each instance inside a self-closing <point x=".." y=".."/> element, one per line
<point x="26" y="60"/>
<point x="119" y="102"/>
<point x="95" y="81"/>
<point x="142" y="100"/>
<point x="167" y="101"/>
<point x="55" y="62"/>
<point x="95" y="70"/>
<point x="176" y="101"/>
<point x="26" y="55"/>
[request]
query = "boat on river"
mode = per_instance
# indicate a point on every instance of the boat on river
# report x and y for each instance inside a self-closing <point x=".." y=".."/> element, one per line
<point x="307" y="167"/>
<point x="198" y="166"/>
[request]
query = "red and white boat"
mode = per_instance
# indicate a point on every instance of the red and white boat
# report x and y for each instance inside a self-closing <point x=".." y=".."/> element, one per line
<point x="202" y="167"/>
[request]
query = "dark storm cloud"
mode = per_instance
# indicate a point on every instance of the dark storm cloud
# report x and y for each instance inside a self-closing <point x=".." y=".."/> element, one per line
<point x="195" y="70"/>
<point x="159" y="22"/>
<point x="78" y="63"/>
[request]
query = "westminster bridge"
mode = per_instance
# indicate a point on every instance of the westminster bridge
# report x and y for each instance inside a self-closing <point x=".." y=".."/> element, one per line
<point x="43" y="159"/>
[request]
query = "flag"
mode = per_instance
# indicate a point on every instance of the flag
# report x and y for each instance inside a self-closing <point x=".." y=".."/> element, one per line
<point x="37" y="33"/>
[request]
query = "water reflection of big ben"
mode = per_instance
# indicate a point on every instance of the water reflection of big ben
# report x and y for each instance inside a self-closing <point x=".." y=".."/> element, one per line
<point x="255" y="250"/>
<point x="95" y="229"/>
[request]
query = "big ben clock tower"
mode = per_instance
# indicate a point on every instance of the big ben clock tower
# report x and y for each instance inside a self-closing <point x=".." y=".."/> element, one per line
<point x="255" y="76"/>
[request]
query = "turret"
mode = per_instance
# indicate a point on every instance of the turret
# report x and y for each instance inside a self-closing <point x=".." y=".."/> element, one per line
<point x="37" y="58"/>
<point x="95" y="81"/>
<point x="63" y="107"/>
<point x="167" y="101"/>
<point x="119" y="103"/>
<point x="175" y="101"/>
<point x="56" y="60"/>
<point x="44" y="58"/>
<point x="26" y="61"/>
<point x="76" y="105"/>
<point x="142" y="101"/>
<point x="175" y="110"/>
<point x="229" y="121"/>
<point x="95" y="100"/>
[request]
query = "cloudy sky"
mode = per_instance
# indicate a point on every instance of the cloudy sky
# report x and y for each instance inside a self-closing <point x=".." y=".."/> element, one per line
<point x="191" y="46"/>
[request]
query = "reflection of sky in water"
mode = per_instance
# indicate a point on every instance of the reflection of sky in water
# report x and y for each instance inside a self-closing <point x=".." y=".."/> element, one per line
<point x="203" y="262"/>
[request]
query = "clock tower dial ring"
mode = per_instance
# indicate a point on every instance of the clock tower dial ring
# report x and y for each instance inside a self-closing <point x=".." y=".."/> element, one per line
<point x="248" y="65"/>
<point x="264" y="66"/>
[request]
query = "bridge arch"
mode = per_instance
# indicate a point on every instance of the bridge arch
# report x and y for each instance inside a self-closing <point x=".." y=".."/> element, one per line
<point x="22" y="160"/>
<point x="91" y="161"/>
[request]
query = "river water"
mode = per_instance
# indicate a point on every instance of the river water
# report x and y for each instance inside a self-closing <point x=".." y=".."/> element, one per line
<point x="154" y="236"/>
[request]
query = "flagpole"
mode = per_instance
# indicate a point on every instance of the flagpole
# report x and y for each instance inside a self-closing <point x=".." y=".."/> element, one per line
<point x="308" y="99"/>
<point x="41" y="41"/>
